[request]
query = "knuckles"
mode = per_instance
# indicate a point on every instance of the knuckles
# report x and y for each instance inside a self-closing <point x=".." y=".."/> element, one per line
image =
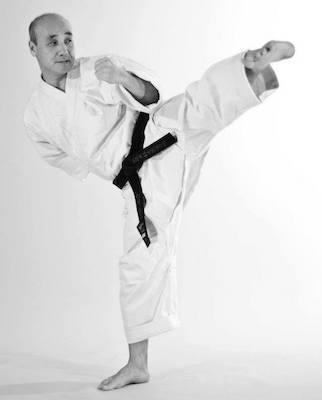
<point x="105" y="66"/>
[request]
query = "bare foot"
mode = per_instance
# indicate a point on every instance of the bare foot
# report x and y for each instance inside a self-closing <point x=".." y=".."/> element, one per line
<point x="272" y="51"/>
<point x="128" y="374"/>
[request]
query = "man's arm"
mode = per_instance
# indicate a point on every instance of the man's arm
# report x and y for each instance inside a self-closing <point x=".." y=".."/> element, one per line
<point x="142" y="90"/>
<point x="57" y="157"/>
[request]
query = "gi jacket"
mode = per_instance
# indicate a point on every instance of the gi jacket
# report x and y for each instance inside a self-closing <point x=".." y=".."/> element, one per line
<point x="88" y="127"/>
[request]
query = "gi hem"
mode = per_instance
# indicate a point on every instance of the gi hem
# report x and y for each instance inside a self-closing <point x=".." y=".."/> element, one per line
<point x="154" y="328"/>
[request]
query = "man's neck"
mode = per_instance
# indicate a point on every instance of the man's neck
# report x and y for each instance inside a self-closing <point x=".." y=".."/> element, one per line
<point x="57" y="82"/>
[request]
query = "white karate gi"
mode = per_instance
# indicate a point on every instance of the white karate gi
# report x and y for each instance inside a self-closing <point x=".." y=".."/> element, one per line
<point x="88" y="128"/>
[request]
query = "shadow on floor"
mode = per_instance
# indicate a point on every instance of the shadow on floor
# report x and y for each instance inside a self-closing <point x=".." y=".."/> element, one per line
<point x="219" y="376"/>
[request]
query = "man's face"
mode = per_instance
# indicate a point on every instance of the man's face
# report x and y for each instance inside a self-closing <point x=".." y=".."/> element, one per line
<point x="55" y="48"/>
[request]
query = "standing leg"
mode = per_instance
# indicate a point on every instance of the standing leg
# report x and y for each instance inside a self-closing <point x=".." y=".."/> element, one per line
<point x="135" y="371"/>
<point x="148" y="296"/>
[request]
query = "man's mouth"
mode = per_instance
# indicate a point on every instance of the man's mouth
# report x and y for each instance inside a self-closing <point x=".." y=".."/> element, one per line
<point x="64" y="61"/>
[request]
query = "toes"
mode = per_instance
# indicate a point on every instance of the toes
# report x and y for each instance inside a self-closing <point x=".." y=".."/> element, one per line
<point x="103" y="387"/>
<point x="287" y="48"/>
<point x="104" y="383"/>
<point x="291" y="49"/>
<point x="111" y="385"/>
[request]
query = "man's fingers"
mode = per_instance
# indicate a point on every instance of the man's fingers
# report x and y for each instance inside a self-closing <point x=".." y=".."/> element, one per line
<point x="104" y="60"/>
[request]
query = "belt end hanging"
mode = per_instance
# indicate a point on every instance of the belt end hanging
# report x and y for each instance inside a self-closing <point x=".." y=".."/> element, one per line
<point x="142" y="229"/>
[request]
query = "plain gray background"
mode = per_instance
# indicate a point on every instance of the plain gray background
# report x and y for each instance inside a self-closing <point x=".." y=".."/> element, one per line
<point x="249" y="260"/>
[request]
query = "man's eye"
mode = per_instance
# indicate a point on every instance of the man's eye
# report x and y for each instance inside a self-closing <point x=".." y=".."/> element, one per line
<point x="54" y="42"/>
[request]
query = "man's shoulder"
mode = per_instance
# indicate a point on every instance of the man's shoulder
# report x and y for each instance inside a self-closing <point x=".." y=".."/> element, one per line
<point x="31" y="111"/>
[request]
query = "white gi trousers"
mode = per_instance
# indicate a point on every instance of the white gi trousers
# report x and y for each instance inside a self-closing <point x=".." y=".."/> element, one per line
<point x="148" y="289"/>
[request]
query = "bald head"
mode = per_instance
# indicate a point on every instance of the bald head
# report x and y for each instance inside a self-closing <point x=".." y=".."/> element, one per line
<point x="41" y="20"/>
<point x="51" y="42"/>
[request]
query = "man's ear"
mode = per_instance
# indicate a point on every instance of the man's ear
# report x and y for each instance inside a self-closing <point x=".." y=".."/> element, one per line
<point x="32" y="48"/>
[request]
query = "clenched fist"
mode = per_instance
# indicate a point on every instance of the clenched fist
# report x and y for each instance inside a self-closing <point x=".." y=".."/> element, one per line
<point x="106" y="70"/>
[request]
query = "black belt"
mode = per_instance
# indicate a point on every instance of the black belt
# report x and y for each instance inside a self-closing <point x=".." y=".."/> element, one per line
<point x="133" y="162"/>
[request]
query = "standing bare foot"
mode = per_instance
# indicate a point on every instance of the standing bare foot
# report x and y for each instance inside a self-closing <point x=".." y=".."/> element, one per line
<point x="130" y="373"/>
<point x="135" y="371"/>
<point x="272" y="51"/>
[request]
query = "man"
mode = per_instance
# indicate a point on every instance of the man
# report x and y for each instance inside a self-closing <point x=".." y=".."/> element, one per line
<point x="81" y="119"/>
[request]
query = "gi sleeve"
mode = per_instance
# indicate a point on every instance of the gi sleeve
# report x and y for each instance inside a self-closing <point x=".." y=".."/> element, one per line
<point x="108" y="93"/>
<point x="55" y="156"/>
<point x="124" y="96"/>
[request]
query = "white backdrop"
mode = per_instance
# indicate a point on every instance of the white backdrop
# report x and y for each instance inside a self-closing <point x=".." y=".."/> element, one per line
<point x="249" y="261"/>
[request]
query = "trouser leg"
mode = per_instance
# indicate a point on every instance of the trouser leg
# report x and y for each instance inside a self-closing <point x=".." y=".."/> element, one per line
<point x="148" y="287"/>
<point x="225" y="91"/>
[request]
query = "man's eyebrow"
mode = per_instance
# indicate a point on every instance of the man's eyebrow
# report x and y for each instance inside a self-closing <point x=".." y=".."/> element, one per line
<point x="52" y="36"/>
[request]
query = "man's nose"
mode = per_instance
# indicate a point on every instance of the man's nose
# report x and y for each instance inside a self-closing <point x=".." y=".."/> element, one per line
<point x="63" y="49"/>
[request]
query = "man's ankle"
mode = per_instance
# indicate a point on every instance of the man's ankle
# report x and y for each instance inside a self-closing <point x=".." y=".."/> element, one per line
<point x="138" y="364"/>
<point x="256" y="80"/>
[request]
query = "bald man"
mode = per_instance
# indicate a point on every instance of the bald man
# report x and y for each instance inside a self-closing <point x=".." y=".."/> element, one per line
<point x="82" y="118"/>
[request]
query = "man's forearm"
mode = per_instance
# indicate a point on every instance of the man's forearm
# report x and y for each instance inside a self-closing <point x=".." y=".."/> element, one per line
<point x="142" y="90"/>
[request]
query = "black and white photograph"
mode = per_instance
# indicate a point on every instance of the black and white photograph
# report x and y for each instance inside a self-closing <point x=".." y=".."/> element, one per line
<point x="161" y="200"/>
